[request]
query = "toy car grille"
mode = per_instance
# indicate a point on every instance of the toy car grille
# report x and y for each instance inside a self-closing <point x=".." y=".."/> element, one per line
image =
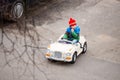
<point x="58" y="54"/>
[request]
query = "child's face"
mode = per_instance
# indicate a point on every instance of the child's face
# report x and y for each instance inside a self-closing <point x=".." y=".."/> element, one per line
<point x="72" y="26"/>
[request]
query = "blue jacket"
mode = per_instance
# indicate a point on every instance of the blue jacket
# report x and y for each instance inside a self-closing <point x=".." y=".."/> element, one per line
<point x="76" y="30"/>
<point x="72" y="35"/>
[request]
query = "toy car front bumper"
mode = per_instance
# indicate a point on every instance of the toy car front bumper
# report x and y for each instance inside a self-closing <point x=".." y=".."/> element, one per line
<point x="64" y="59"/>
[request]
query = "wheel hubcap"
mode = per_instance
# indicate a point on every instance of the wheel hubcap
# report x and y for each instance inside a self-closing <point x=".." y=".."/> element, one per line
<point x="18" y="10"/>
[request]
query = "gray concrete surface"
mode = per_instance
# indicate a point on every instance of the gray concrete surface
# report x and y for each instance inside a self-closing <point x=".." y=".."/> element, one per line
<point x="100" y="24"/>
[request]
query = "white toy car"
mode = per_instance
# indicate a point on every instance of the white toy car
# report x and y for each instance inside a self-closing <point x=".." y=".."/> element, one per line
<point x="64" y="50"/>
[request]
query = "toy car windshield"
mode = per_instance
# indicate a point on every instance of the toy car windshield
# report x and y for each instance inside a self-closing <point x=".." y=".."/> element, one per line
<point x="65" y="41"/>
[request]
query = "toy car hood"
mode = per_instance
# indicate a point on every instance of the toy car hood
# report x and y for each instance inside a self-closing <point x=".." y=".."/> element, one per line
<point x="60" y="47"/>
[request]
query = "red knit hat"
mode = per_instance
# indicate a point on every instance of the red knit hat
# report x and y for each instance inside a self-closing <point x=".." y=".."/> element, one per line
<point x="72" y="22"/>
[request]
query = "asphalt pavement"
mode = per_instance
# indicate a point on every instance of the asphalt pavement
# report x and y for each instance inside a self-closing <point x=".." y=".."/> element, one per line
<point x="99" y="21"/>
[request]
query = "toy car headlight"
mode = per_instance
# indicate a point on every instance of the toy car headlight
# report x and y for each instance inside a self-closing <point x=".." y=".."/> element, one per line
<point x="49" y="51"/>
<point x="68" y="54"/>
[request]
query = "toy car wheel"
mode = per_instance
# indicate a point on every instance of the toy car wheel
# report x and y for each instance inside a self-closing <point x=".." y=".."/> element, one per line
<point x="84" y="48"/>
<point x="49" y="60"/>
<point x="52" y="60"/>
<point x="74" y="57"/>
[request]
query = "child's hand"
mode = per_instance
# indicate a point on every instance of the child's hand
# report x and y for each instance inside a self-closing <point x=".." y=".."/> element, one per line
<point x="72" y="30"/>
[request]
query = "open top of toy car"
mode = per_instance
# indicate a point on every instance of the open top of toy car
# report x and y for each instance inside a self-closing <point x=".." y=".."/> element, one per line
<point x="82" y="40"/>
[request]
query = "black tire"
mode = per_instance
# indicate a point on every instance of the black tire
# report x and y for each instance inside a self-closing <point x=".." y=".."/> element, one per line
<point x="52" y="60"/>
<point x="49" y="59"/>
<point x="74" y="57"/>
<point x="84" y="48"/>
